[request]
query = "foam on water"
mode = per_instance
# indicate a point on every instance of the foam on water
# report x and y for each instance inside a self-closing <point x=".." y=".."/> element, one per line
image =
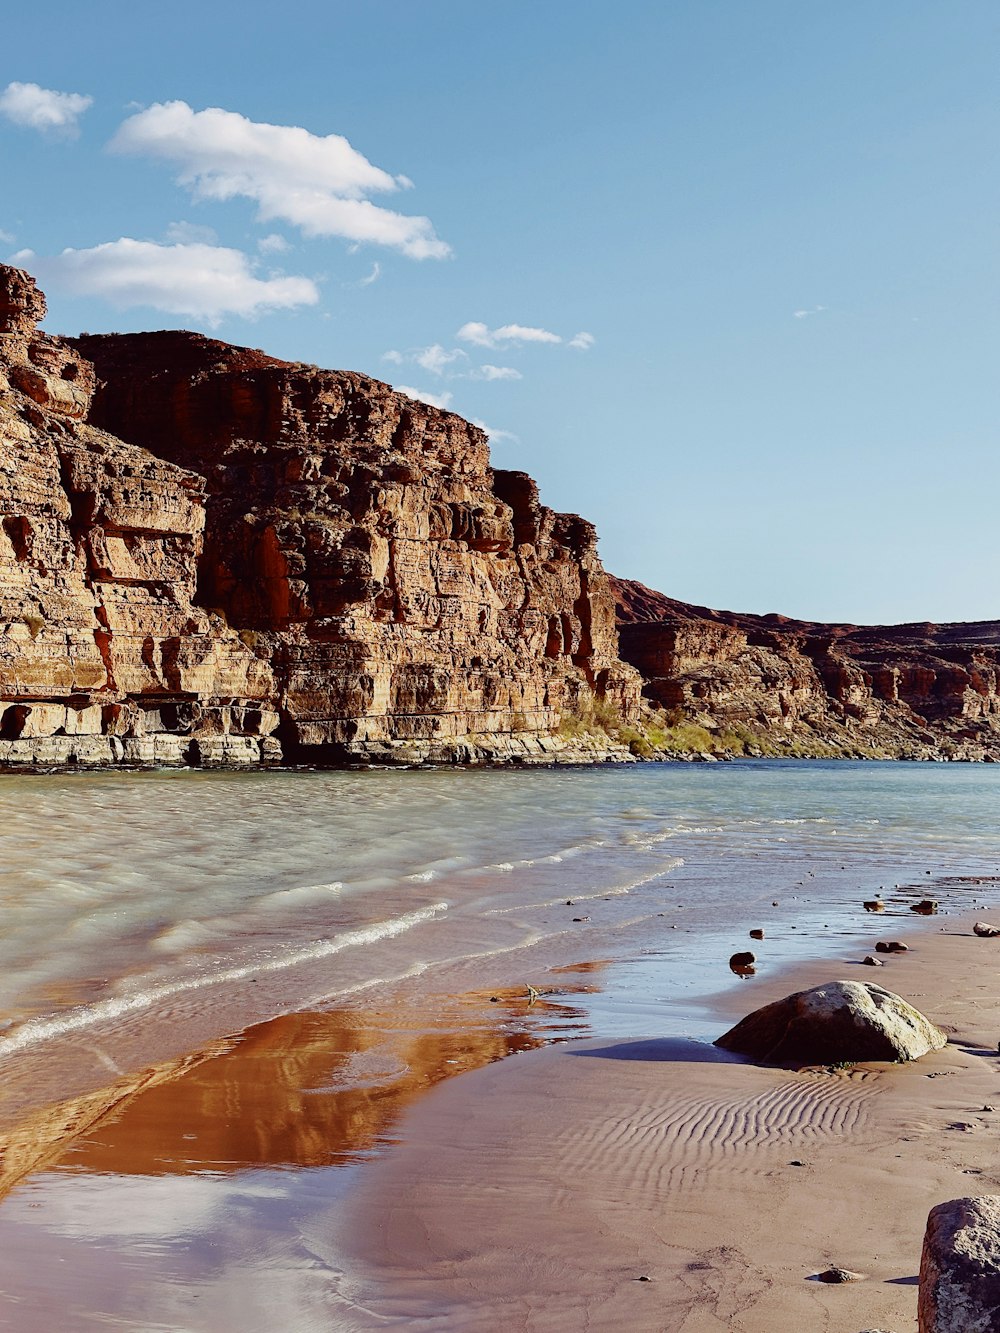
<point x="40" y="1030"/>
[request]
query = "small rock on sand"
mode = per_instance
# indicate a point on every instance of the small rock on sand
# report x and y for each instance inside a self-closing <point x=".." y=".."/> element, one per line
<point x="985" y="930"/>
<point x="891" y="946"/>
<point x="839" y="1275"/>
<point x="743" y="959"/>
<point x="871" y="961"/>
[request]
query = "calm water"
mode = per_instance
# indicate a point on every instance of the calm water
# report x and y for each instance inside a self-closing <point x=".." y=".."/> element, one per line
<point x="368" y="934"/>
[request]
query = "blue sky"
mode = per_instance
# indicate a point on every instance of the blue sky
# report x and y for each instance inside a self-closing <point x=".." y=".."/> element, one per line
<point x="776" y="223"/>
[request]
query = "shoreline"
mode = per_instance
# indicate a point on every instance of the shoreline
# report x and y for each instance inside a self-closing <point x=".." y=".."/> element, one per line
<point x="541" y="1193"/>
<point x="281" y="1153"/>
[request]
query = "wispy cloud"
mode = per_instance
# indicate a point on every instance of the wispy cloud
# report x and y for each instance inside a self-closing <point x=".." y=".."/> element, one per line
<point x="582" y="341"/>
<point x="273" y="244"/>
<point x="449" y="363"/>
<point x="437" y="359"/>
<point x="495" y="436"/>
<point x="203" y="281"/>
<point x="488" y="372"/>
<point x="43" y="109"/>
<point x="442" y="400"/>
<point x="317" y="183"/>
<point x="483" y="336"/>
<point x="373" y="276"/>
<point x="186" y="233"/>
<point x="804" y="314"/>
<point x="6" y="238"/>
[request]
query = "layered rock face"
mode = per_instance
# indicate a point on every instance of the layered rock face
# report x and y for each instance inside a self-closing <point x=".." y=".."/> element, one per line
<point x="411" y="602"/>
<point x="777" y="685"/>
<point x="104" y="657"/>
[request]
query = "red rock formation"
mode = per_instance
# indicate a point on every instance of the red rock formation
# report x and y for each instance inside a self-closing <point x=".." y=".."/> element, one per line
<point x="410" y="600"/>
<point x="788" y="686"/>
<point x="103" y="655"/>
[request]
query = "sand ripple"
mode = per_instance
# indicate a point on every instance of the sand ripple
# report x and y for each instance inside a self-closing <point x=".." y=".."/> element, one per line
<point x="667" y="1145"/>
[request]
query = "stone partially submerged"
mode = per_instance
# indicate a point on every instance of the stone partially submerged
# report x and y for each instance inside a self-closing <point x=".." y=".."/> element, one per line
<point x="839" y="1021"/>
<point x="960" y="1267"/>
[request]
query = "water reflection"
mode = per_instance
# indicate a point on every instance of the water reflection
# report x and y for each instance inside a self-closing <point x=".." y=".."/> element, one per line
<point x="303" y="1090"/>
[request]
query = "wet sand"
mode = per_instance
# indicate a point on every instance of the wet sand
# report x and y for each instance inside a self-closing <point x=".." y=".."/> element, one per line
<point x="324" y="1170"/>
<point x="539" y="1193"/>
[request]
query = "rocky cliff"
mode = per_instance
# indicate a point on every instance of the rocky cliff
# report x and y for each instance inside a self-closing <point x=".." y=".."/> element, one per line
<point x="281" y="562"/>
<point x="772" y="685"/>
<point x="290" y="563"/>
<point x="104" y="655"/>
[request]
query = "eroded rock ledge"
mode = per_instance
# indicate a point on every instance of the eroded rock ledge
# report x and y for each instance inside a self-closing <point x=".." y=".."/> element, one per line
<point x="281" y="563"/>
<point x="769" y="685"/>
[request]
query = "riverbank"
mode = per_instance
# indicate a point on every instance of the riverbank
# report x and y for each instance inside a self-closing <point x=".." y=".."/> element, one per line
<point x="657" y="1185"/>
<point x="219" y="1023"/>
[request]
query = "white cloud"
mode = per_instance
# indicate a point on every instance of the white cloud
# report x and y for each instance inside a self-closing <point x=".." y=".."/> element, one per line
<point x="185" y="233"/>
<point x="442" y="400"/>
<point x="43" y="109"/>
<point x="437" y="358"/>
<point x="488" y="372"/>
<point x="373" y="276"/>
<point x="6" y="238"/>
<point x="273" y="244"/>
<point x="583" y="341"/>
<point x="204" y="281"/>
<point x="483" y="336"/>
<point x="804" y="314"/>
<point x="318" y="184"/>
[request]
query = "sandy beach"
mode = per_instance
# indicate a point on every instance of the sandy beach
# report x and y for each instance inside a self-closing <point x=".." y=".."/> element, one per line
<point x="655" y="1185"/>
<point x="280" y="1102"/>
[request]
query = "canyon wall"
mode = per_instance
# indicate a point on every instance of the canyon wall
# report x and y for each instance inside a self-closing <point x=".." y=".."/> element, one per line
<point x="772" y="685"/>
<point x="282" y="562"/>
<point x="209" y="556"/>
<point x="104" y="655"/>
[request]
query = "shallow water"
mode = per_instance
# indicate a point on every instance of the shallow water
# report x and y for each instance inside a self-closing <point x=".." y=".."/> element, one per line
<point x="365" y="935"/>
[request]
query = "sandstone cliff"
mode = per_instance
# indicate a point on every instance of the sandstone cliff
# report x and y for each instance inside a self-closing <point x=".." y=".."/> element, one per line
<point x="772" y="685"/>
<point x="104" y="656"/>
<point x="292" y="563"/>
<point x="282" y="562"/>
<point x="411" y="601"/>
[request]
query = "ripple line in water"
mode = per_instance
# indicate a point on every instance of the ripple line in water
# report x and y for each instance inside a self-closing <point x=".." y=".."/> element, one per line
<point x="44" y="1029"/>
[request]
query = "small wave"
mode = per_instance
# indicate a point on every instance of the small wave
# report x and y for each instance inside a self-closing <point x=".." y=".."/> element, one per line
<point x="611" y="891"/>
<point x="183" y="935"/>
<point x="43" y="1029"/>
<point x="422" y="877"/>
<point x="303" y="893"/>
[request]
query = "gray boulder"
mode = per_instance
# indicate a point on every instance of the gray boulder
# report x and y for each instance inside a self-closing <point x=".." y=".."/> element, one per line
<point x="840" y="1021"/>
<point x="960" y="1267"/>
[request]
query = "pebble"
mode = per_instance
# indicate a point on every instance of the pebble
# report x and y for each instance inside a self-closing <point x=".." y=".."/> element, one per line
<point x="839" y="1275"/>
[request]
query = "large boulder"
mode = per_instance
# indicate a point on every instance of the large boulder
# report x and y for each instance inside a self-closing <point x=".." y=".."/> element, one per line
<point x="843" y="1020"/>
<point x="960" y="1267"/>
